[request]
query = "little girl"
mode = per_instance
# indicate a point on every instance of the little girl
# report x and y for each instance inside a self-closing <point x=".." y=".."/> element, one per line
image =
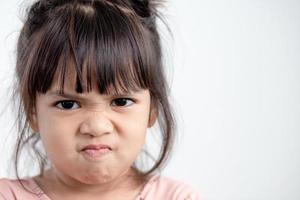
<point x="90" y="82"/>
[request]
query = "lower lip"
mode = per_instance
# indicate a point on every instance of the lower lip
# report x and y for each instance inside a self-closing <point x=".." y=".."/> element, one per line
<point x="96" y="153"/>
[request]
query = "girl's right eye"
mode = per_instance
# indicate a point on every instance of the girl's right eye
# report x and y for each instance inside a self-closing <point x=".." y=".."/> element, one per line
<point x="67" y="105"/>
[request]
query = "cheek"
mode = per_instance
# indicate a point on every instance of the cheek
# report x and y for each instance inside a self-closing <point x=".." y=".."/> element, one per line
<point x="56" y="133"/>
<point x="134" y="124"/>
<point x="132" y="132"/>
<point x="50" y="121"/>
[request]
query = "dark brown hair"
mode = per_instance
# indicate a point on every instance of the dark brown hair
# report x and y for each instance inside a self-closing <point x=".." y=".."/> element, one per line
<point x="111" y="43"/>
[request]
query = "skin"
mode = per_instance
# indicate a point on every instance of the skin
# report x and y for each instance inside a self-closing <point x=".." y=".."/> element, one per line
<point x="91" y="118"/>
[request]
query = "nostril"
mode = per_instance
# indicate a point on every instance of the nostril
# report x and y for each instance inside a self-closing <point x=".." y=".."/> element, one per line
<point x="96" y="126"/>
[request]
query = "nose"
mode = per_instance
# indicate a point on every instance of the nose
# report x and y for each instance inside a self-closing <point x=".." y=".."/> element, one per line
<point x="96" y="124"/>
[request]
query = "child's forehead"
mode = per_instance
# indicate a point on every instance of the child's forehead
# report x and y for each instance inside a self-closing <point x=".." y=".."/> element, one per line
<point x="67" y="83"/>
<point x="67" y="77"/>
<point x="69" y="91"/>
<point x="107" y="77"/>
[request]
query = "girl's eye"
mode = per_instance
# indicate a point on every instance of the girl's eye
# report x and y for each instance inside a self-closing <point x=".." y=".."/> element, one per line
<point x="67" y="105"/>
<point x="122" y="102"/>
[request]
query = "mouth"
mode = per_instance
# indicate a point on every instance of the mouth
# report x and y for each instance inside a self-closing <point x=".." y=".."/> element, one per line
<point x="96" y="151"/>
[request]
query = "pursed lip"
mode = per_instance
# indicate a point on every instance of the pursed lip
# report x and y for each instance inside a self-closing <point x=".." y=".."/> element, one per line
<point x="96" y="147"/>
<point x="96" y="152"/>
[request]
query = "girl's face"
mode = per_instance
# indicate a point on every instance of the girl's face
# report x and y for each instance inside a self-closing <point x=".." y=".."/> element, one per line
<point x="89" y="137"/>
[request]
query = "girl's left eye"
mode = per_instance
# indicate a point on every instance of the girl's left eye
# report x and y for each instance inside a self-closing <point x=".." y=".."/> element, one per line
<point x="122" y="102"/>
<point x="67" y="105"/>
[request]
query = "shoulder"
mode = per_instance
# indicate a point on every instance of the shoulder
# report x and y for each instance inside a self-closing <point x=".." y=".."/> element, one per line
<point x="8" y="188"/>
<point x="160" y="187"/>
<point x="17" y="189"/>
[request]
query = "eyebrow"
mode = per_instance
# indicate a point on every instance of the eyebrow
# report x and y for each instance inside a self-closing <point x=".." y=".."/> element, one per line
<point x="58" y="93"/>
<point x="64" y="94"/>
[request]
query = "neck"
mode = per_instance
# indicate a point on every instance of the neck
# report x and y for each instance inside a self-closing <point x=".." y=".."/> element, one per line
<point x="53" y="183"/>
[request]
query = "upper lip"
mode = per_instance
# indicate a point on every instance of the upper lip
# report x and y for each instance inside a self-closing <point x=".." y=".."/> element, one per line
<point x="96" y="147"/>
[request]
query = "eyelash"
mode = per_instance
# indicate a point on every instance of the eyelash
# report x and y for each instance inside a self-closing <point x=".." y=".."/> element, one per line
<point x="58" y="104"/>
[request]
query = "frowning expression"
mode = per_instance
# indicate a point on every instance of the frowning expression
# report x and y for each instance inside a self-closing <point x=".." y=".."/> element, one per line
<point x="90" y="137"/>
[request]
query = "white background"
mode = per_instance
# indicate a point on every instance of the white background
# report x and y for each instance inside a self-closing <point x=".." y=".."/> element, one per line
<point x="236" y="92"/>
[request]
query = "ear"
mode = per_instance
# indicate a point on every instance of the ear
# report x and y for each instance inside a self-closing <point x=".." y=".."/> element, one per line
<point x="152" y="117"/>
<point x="33" y="122"/>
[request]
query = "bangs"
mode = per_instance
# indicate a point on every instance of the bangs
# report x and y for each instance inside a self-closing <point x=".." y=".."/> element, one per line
<point x="99" y="44"/>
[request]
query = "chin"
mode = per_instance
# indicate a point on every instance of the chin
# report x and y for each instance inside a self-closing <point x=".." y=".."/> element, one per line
<point x="97" y="179"/>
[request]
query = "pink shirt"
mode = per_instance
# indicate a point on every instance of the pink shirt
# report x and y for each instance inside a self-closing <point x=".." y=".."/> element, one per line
<point x="157" y="188"/>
